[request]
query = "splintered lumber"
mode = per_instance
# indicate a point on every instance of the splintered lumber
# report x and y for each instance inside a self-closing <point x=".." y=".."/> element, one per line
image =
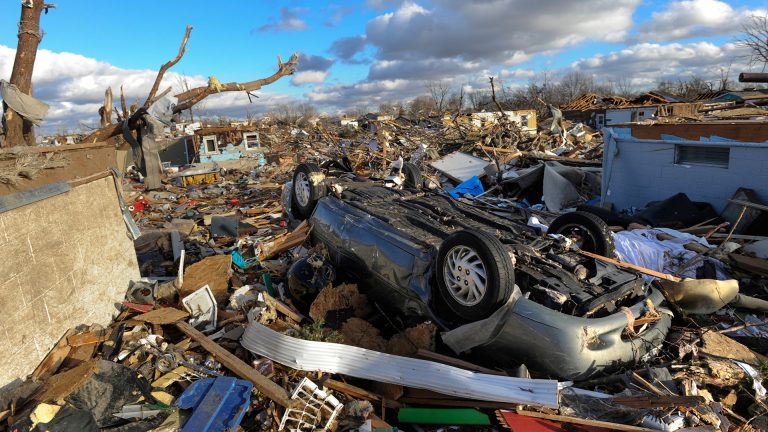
<point x="637" y="268"/>
<point x="162" y="316"/>
<point x="296" y="238"/>
<point x="54" y="359"/>
<point x="359" y="393"/>
<point x="284" y="309"/>
<point x="87" y="338"/>
<point x="239" y="367"/>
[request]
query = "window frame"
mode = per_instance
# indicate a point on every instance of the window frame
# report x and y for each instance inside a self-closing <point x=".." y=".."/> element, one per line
<point x="692" y="160"/>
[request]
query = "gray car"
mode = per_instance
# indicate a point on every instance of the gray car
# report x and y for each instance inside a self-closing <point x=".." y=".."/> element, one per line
<point x="492" y="283"/>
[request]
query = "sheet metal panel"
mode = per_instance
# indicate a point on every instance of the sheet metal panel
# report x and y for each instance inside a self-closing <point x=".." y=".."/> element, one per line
<point x="366" y="364"/>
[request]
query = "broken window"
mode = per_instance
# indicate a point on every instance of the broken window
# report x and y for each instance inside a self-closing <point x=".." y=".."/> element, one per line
<point x="702" y="155"/>
<point x="251" y="140"/>
<point x="210" y="144"/>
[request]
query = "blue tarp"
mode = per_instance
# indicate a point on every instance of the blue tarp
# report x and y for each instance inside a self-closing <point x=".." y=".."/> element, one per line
<point x="471" y="186"/>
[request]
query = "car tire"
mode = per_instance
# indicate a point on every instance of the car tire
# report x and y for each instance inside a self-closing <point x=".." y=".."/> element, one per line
<point x="413" y="179"/>
<point x="304" y="192"/>
<point x="589" y="231"/>
<point x="462" y="259"/>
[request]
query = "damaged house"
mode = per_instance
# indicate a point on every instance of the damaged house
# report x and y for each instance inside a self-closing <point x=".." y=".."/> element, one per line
<point x="216" y="144"/>
<point x="601" y="111"/>
<point x="524" y="119"/>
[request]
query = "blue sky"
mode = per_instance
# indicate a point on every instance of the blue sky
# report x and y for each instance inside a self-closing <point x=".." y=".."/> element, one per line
<point x="364" y="52"/>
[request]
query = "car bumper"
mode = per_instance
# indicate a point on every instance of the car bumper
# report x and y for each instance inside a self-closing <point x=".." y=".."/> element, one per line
<point x="565" y="346"/>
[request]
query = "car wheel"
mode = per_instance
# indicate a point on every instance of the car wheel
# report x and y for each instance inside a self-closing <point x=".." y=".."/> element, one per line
<point x="588" y="231"/>
<point x="306" y="190"/>
<point x="412" y="174"/>
<point x="475" y="274"/>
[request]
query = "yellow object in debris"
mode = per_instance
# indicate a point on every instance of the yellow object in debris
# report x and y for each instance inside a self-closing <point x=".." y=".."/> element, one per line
<point x="43" y="413"/>
<point x="163" y="397"/>
<point x="171" y="377"/>
<point x="207" y="178"/>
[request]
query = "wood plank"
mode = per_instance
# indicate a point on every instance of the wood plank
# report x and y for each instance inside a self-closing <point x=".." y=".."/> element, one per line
<point x="285" y="309"/>
<point x="87" y="338"/>
<point x="515" y="153"/>
<point x="647" y="385"/>
<point x="162" y="316"/>
<point x="751" y="264"/>
<point x="270" y="389"/>
<point x="54" y="359"/>
<point x="576" y="420"/>
<point x="637" y="268"/>
<point x="359" y="393"/>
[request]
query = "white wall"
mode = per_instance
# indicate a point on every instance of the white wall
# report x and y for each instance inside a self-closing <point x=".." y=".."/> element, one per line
<point x="624" y="115"/>
<point x="645" y="170"/>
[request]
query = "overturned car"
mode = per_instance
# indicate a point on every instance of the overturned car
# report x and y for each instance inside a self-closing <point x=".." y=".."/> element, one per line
<point x="494" y="284"/>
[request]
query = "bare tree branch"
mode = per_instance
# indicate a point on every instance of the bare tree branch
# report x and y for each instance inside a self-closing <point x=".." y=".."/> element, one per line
<point x="167" y="66"/>
<point x="189" y="98"/>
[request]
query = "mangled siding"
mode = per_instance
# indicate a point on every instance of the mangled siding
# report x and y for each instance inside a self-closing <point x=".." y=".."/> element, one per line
<point x="66" y="260"/>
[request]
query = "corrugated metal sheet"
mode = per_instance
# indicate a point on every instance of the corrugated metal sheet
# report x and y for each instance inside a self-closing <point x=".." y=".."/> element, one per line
<point x="416" y="373"/>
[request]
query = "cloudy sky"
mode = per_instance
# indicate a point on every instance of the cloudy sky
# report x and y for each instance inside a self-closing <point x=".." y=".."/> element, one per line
<point x="364" y="52"/>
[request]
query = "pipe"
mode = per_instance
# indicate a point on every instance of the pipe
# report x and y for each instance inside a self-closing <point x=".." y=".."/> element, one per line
<point x="753" y="77"/>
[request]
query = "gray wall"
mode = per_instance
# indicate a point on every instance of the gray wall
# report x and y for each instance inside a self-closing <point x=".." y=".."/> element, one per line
<point x="645" y="170"/>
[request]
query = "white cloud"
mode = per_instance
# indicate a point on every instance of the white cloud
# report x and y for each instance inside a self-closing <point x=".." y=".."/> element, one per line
<point x="645" y="64"/>
<point x="495" y="31"/>
<point x="518" y="73"/>
<point x="364" y="93"/>
<point x="309" y="77"/>
<point x="694" y="18"/>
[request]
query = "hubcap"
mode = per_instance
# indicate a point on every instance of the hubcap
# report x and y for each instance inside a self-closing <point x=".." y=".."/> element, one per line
<point x="464" y="275"/>
<point x="301" y="188"/>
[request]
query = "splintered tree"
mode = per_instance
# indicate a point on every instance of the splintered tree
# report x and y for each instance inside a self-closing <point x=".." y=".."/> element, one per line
<point x="18" y="130"/>
<point x="140" y="129"/>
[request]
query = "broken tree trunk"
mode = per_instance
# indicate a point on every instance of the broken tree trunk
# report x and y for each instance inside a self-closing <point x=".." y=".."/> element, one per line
<point x="105" y="112"/>
<point x="18" y="130"/>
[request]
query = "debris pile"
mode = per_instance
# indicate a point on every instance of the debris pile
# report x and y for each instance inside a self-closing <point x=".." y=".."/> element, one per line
<point x="463" y="271"/>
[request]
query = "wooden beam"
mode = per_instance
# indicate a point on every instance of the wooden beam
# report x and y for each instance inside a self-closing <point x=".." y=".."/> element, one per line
<point x="637" y="268"/>
<point x="285" y="309"/>
<point x="576" y="420"/>
<point x="359" y="393"/>
<point x="270" y="389"/>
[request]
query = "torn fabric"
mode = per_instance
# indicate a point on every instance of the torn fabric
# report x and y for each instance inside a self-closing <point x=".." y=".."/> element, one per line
<point x="25" y="105"/>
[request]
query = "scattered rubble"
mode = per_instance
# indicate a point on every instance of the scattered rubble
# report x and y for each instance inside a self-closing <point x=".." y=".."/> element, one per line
<point x="303" y="278"/>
